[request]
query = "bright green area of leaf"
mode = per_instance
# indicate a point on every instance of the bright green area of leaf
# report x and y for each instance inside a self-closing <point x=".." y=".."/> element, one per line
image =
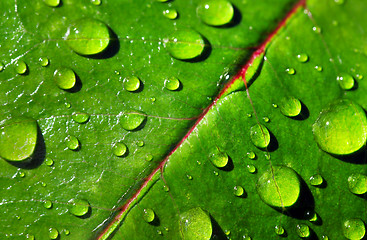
<point x="338" y="47"/>
<point x="89" y="170"/>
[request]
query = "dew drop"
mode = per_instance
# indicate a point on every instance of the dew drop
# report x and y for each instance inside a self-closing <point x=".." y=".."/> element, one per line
<point x="64" y="78"/>
<point x="149" y="157"/>
<point x="22" y="174"/>
<point x="170" y="13"/>
<point x="189" y="177"/>
<point x="96" y="2"/>
<point x="172" y="83"/>
<point x="43" y="184"/>
<point x="216" y="173"/>
<point x="354" y="229"/>
<point x="140" y="143"/>
<point x="251" y="155"/>
<point x="18" y="138"/>
<point x="313" y="217"/>
<point x="359" y="76"/>
<point x="132" y="120"/>
<point x="251" y="168"/>
<point x="52" y="3"/>
<point x="303" y="230"/>
<point x="346" y="81"/>
<point x="279" y="230"/>
<point x="339" y="2"/>
<point x="49" y="162"/>
<point x="266" y="119"/>
<point x="186" y="44"/>
<point x="87" y="36"/>
<point x="279" y="187"/>
<point x="67" y="232"/>
<point x="2" y="66"/>
<point x="79" y="207"/>
<point x="67" y="105"/>
<point x="166" y="188"/>
<point x="357" y="183"/>
<point x="218" y="158"/>
<point x="275" y="105"/>
<point x="162" y="0"/>
<point x="148" y="215"/>
<point x="47" y="204"/>
<point x="21" y="67"/>
<point x="290" y="106"/>
<point x="238" y="191"/>
<point x="215" y="12"/>
<point x="318" y="68"/>
<point x="44" y="61"/>
<point x="80" y="117"/>
<point x="195" y="224"/>
<point x="72" y="142"/>
<point x="316" y="29"/>
<point x="249" y="115"/>
<point x="324" y="237"/>
<point x="316" y="180"/>
<point x="341" y="128"/>
<point x="53" y="233"/>
<point x="119" y="149"/>
<point x="30" y="237"/>
<point x="260" y="136"/>
<point x="132" y="84"/>
<point x="303" y="57"/>
<point x="290" y="71"/>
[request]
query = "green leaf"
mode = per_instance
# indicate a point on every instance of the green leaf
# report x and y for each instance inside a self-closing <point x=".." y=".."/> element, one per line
<point x="98" y="135"/>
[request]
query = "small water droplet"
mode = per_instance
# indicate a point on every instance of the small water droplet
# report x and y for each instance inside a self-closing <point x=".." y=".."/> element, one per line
<point x="357" y="183"/>
<point x="18" y="138"/>
<point x="354" y="229"/>
<point x="227" y="232"/>
<point x="44" y="61"/>
<point x="279" y="181"/>
<point x="324" y="237"/>
<point x="79" y="207"/>
<point x="149" y="157"/>
<point x="359" y="76"/>
<point x="302" y="57"/>
<point x="290" y="106"/>
<point x="64" y="78"/>
<point x="260" y="136"/>
<point x="318" y="68"/>
<point x="303" y="230"/>
<point x="47" y="204"/>
<point x="132" y="120"/>
<point x="251" y="155"/>
<point x="22" y="174"/>
<point x="316" y="180"/>
<point x="291" y="71"/>
<point x="96" y="2"/>
<point x="87" y="36"/>
<point x="279" y="230"/>
<point x="346" y="81"/>
<point x="148" y="215"/>
<point x="266" y="119"/>
<point x="341" y="128"/>
<point x="312" y="216"/>
<point x="67" y="105"/>
<point x="2" y="66"/>
<point x="186" y="44"/>
<point x="238" y="191"/>
<point x="132" y="84"/>
<point x="49" y="161"/>
<point x="216" y="173"/>
<point x="215" y="12"/>
<point x="275" y="105"/>
<point x="339" y="2"/>
<point x="249" y="115"/>
<point x="119" y="149"/>
<point x="195" y="224"/>
<point x="152" y="99"/>
<point x="316" y="29"/>
<point x="52" y="3"/>
<point x="189" y="177"/>
<point x="67" y="232"/>
<point x="172" y="83"/>
<point x="140" y="143"/>
<point x="21" y="67"/>
<point x="251" y="168"/>
<point x="170" y="13"/>
<point x="117" y="72"/>
<point x="166" y="188"/>
<point x="80" y="117"/>
<point x="218" y="158"/>
<point x="30" y="237"/>
<point x="43" y="184"/>
<point x="72" y="142"/>
<point x="53" y="233"/>
<point x="159" y="232"/>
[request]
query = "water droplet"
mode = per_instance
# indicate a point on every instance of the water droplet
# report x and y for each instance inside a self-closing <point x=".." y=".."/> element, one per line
<point x="80" y="117"/>
<point x="152" y="99"/>
<point x="275" y="105"/>
<point x="53" y="233"/>
<point x="219" y="158"/>
<point x="149" y="157"/>
<point x="279" y="187"/>
<point x="303" y="230"/>
<point x="30" y="237"/>
<point x="43" y="184"/>
<point x="341" y="128"/>
<point x="49" y="161"/>
<point x="131" y="84"/>
<point x="279" y="230"/>
<point x="290" y="107"/>
<point x="52" y="3"/>
<point x="316" y="180"/>
<point x="266" y="119"/>
<point x="22" y="174"/>
<point x="260" y="136"/>
<point x="238" y="191"/>
<point x="249" y="115"/>
<point x="79" y="207"/>
<point x="18" y="138"/>
<point x="357" y="183"/>
<point x="186" y="44"/>
<point x="159" y="232"/>
<point x="359" y="76"/>
<point x="72" y="142"/>
<point x="96" y="2"/>
<point x="324" y="237"/>
<point x="67" y="232"/>
<point x="148" y="215"/>
<point x="216" y="173"/>
<point x="189" y="177"/>
<point x="318" y="68"/>
<point x="312" y="217"/>
<point x="246" y="237"/>
<point x="2" y="66"/>
<point x="339" y="2"/>
<point x="64" y="78"/>
<point x="354" y="229"/>
<point x="303" y="57"/>
<point x="44" y="61"/>
<point x="87" y="36"/>
<point x="117" y="72"/>
<point x="119" y="149"/>
<point x="215" y="12"/>
<point x="316" y="29"/>
<point x="170" y="13"/>
<point x="67" y="105"/>
<point x="251" y="168"/>
<point x="345" y="81"/>
<point x="21" y="67"/>
<point x="132" y="120"/>
<point x="140" y="143"/>
<point x="172" y="83"/>
<point x="47" y="204"/>
<point x="251" y="155"/>
<point x="227" y="232"/>
<point x="162" y="0"/>
<point x="290" y="71"/>
<point x="195" y="224"/>
<point x="166" y="188"/>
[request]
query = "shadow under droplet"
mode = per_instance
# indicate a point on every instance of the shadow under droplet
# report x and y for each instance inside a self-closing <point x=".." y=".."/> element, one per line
<point x="304" y="114"/>
<point x="273" y="144"/>
<point x="78" y="85"/>
<point x="112" y="49"/>
<point x="38" y="156"/>
<point x="229" y="166"/>
<point x="218" y="233"/>
<point x="359" y="157"/>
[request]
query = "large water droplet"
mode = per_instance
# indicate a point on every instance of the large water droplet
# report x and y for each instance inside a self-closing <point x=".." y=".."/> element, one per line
<point x="218" y="158"/>
<point x="341" y="128"/>
<point x="290" y="107"/>
<point x="64" y="78"/>
<point x="131" y="84"/>
<point x="354" y="229"/>
<point x="186" y="44"/>
<point x="132" y="120"/>
<point x="195" y="224"/>
<point x="148" y="215"/>
<point x="303" y="230"/>
<point x="18" y="138"/>
<point x="260" y="136"/>
<point x="302" y="57"/>
<point x="345" y="81"/>
<point x="279" y="187"/>
<point x="215" y="12"/>
<point x="53" y="233"/>
<point x="88" y="36"/>
<point x="238" y="191"/>
<point x="170" y="13"/>
<point x="279" y="230"/>
<point x="119" y="149"/>
<point x="72" y="142"/>
<point x="80" y="117"/>
<point x="79" y="207"/>
<point x="47" y="204"/>
<point x="52" y="3"/>
<point x="21" y="67"/>
<point x="316" y="180"/>
<point x="172" y="83"/>
<point x="357" y="183"/>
